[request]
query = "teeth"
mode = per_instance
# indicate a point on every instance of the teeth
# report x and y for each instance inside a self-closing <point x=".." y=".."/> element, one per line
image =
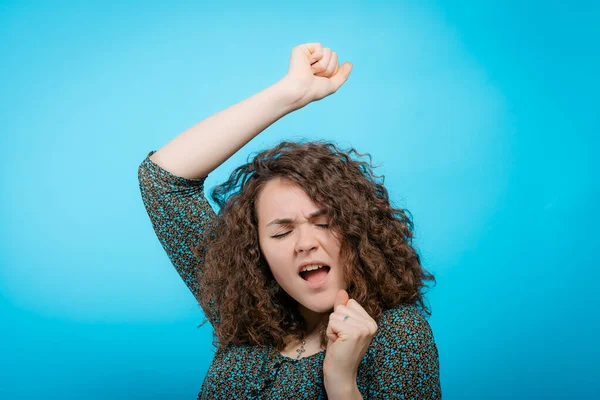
<point x="311" y="267"/>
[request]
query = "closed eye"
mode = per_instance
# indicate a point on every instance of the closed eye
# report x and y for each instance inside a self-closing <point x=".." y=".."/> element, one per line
<point x="322" y="226"/>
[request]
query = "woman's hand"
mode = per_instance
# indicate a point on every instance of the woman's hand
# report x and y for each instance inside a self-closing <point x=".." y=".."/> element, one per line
<point x="348" y="340"/>
<point x="314" y="73"/>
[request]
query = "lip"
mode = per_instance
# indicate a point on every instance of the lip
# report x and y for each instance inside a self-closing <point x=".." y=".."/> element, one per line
<point x="311" y="262"/>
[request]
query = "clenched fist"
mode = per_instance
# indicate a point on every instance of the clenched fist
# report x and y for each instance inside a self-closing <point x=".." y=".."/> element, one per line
<point x="349" y="333"/>
<point x="314" y="73"/>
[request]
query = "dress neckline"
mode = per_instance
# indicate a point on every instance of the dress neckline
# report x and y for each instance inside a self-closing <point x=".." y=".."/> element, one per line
<point x="278" y="355"/>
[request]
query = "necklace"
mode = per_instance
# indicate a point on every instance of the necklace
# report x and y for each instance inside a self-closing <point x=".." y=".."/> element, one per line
<point x="301" y="349"/>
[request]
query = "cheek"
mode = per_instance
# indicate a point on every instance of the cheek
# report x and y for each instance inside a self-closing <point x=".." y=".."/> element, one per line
<point x="276" y="258"/>
<point x="334" y="246"/>
<point x="271" y="250"/>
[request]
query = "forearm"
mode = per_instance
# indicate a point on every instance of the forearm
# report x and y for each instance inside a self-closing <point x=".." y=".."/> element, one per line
<point x="344" y="393"/>
<point x="341" y="387"/>
<point x="202" y="148"/>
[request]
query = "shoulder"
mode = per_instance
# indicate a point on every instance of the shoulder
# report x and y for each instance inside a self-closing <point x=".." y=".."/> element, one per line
<point x="404" y="326"/>
<point x="404" y="315"/>
<point x="404" y="358"/>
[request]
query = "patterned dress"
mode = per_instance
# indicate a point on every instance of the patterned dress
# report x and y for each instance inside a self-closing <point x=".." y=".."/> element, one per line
<point x="401" y="361"/>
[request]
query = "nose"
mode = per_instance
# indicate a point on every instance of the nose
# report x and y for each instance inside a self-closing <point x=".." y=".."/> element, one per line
<point x="307" y="239"/>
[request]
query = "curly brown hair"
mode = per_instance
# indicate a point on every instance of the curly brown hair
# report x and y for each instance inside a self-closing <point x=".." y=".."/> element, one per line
<point x="382" y="269"/>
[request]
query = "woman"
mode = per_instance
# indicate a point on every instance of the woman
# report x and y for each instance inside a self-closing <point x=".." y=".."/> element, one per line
<point x="307" y="274"/>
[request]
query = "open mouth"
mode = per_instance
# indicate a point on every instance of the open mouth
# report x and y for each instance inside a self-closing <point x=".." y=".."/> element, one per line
<point x="316" y="275"/>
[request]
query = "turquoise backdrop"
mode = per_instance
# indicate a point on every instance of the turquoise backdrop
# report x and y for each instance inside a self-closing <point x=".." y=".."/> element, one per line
<point x="480" y="115"/>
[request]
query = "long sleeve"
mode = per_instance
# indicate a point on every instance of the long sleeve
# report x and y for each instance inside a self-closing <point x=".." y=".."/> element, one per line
<point x="181" y="217"/>
<point x="405" y="361"/>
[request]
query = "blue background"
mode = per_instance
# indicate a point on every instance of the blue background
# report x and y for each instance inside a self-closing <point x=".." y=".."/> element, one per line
<point x="484" y="119"/>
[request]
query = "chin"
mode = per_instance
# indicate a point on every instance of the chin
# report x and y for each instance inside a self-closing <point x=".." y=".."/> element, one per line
<point x="322" y="303"/>
<point x="319" y="309"/>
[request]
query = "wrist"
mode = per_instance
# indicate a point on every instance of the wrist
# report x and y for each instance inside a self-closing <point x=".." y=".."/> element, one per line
<point x="341" y="388"/>
<point x="292" y="94"/>
<point x="345" y="392"/>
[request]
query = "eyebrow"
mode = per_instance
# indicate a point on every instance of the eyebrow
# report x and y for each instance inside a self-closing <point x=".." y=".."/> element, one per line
<point x="285" y="221"/>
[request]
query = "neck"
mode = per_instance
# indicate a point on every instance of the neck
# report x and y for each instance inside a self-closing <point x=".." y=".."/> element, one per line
<point x="313" y="319"/>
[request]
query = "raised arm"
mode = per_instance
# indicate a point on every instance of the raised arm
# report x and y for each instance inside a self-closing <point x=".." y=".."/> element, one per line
<point x="181" y="217"/>
<point x="313" y="74"/>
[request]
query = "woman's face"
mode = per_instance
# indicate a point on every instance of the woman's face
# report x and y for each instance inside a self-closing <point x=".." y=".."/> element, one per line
<point x="285" y="210"/>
